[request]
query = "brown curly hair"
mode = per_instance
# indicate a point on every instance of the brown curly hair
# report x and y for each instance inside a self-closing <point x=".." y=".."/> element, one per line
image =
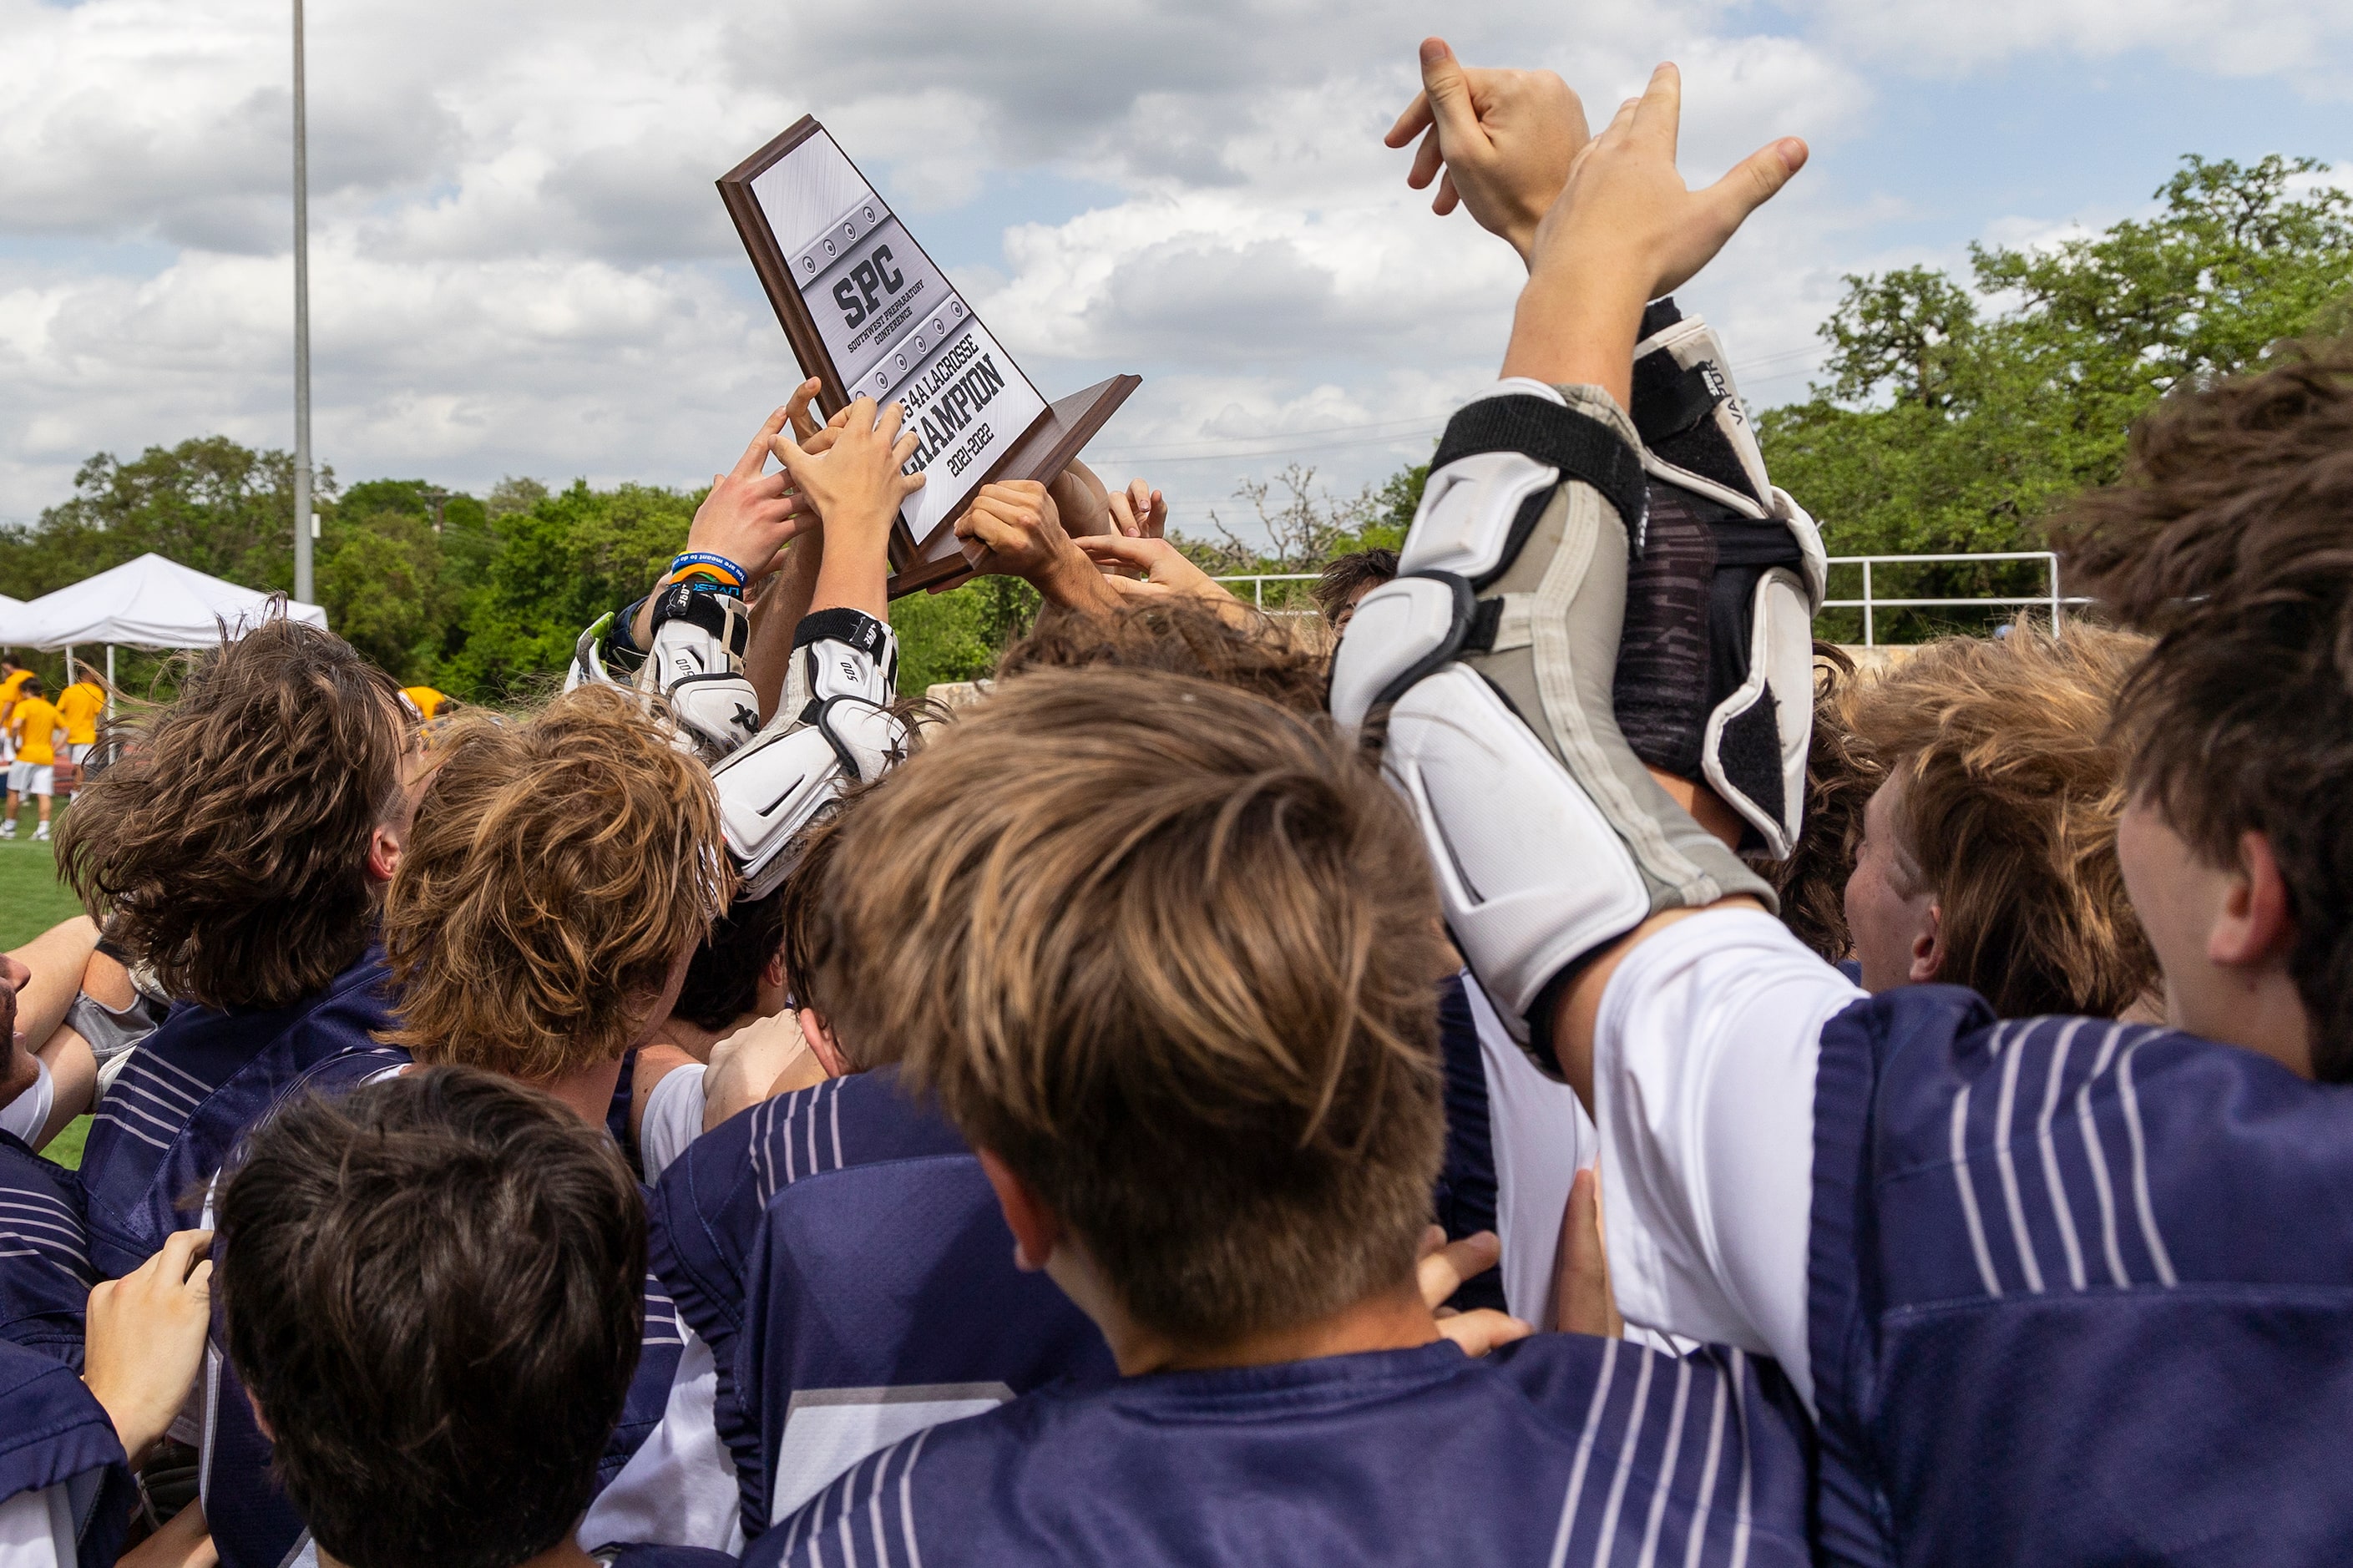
<point x="2013" y="786"/>
<point x="559" y="867"/>
<point x="1178" y="635"/>
<point x="228" y="847"/>
<point x="1840" y="779"/>
<point x="2229" y="538"/>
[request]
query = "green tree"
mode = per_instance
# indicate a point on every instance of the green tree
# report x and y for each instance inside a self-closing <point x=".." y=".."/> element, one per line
<point x="1954" y="418"/>
<point x="207" y="503"/>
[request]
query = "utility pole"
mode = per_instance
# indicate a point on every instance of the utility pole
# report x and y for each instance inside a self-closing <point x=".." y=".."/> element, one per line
<point x="301" y="333"/>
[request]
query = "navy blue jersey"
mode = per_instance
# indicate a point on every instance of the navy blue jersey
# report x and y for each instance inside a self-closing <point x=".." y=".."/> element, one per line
<point x="44" y="1270"/>
<point x="885" y="1299"/>
<point x="2080" y="1292"/>
<point x="254" y="1523"/>
<point x="1466" y="1199"/>
<point x="617" y="1115"/>
<point x="53" y="1433"/>
<point x="188" y="1092"/>
<point x="1560" y="1448"/>
<point x="707" y="1207"/>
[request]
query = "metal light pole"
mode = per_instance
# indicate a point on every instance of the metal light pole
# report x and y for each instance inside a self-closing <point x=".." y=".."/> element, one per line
<point x="301" y="333"/>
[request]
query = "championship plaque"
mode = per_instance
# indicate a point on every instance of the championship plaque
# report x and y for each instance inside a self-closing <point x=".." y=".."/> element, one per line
<point x="869" y="315"/>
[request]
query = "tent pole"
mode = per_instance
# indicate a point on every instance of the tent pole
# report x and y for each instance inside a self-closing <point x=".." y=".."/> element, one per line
<point x="109" y="702"/>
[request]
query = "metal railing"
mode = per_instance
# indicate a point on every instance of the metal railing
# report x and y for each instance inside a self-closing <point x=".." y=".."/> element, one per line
<point x="1871" y="604"/>
<point x="1259" y="580"/>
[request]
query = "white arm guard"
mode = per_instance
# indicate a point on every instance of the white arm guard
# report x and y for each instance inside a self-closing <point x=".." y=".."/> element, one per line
<point x="696" y="664"/>
<point x="1492" y="660"/>
<point x="845" y="664"/>
<point x="1715" y="669"/>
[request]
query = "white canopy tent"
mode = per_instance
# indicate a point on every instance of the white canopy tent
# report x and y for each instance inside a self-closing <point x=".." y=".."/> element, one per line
<point x="148" y="602"/>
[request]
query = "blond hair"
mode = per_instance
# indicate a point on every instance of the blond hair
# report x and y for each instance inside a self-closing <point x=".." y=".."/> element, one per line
<point x="559" y="867"/>
<point x="2013" y="787"/>
<point x="1171" y="952"/>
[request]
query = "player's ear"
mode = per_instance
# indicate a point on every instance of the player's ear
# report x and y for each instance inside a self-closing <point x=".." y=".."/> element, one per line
<point x="1928" y="947"/>
<point x="819" y="1035"/>
<point x="2253" y="926"/>
<point x="384" y="852"/>
<point x="1037" y="1229"/>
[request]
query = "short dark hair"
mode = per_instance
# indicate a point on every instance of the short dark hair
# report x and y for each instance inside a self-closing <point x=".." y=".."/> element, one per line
<point x="723" y="979"/>
<point x="434" y="1291"/>
<point x="1176" y="961"/>
<point x="228" y="846"/>
<point x="1345" y="576"/>
<point x="2228" y="538"/>
<point x="32" y="688"/>
<point x="1178" y="635"/>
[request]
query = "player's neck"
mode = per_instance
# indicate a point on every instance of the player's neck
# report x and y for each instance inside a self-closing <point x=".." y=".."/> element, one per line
<point x="1392" y="1320"/>
<point x="588" y="1091"/>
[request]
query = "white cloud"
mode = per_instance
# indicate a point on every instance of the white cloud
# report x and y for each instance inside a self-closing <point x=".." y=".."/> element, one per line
<point x="518" y="264"/>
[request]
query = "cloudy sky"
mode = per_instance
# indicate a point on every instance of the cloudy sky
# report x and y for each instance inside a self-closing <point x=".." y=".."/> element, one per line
<point x="518" y="264"/>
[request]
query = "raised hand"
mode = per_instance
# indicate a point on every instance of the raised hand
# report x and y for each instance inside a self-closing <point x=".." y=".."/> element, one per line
<point x="749" y="515"/>
<point x="1016" y="529"/>
<point x="1139" y="511"/>
<point x="1625" y="231"/>
<point x="856" y="485"/>
<point x="1497" y="142"/>
<point x="144" y="1338"/>
<point x="1626" y="210"/>
<point x="1160" y="569"/>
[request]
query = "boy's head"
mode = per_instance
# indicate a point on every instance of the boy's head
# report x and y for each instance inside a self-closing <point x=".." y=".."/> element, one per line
<point x="239" y="843"/>
<point x="812" y="952"/>
<point x="738" y="968"/>
<point x="33" y="687"/>
<point x="1987" y="856"/>
<point x="1176" y="636"/>
<point x="560" y="873"/>
<point x="1170" y="953"/>
<point x="2229" y="538"/>
<point x="434" y="1289"/>
<point x="1347" y="579"/>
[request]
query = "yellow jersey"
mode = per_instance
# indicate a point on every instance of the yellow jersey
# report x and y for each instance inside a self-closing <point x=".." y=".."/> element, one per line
<point x="10" y="687"/>
<point x="34" y="723"/>
<point x="426" y="698"/>
<point x="80" y="705"/>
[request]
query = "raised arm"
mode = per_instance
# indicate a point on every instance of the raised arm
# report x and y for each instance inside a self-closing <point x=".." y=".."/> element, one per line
<point x="1484" y="676"/>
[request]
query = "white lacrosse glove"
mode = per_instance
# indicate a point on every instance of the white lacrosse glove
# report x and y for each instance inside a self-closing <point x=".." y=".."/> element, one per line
<point x="1485" y="671"/>
<point x="1716" y="669"/>
<point x="834" y="729"/>
<point x="695" y="663"/>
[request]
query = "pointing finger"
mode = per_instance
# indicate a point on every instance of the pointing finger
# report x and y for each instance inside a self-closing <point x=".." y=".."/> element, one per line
<point x="1657" y="117"/>
<point x="1409" y="124"/>
<point x="755" y="456"/>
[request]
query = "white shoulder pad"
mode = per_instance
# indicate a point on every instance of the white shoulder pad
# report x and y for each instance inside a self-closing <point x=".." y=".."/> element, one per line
<point x="1401" y="631"/>
<point x="776" y="786"/>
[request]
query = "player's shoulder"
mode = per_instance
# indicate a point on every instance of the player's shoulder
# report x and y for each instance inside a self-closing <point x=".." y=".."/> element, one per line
<point x="51" y="1428"/>
<point x="46" y="1273"/>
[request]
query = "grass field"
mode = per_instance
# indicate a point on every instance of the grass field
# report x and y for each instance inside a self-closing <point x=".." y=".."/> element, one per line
<point x="31" y="901"/>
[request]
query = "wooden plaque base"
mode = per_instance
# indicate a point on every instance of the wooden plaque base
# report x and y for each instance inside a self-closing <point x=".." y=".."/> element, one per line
<point x="1068" y="425"/>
